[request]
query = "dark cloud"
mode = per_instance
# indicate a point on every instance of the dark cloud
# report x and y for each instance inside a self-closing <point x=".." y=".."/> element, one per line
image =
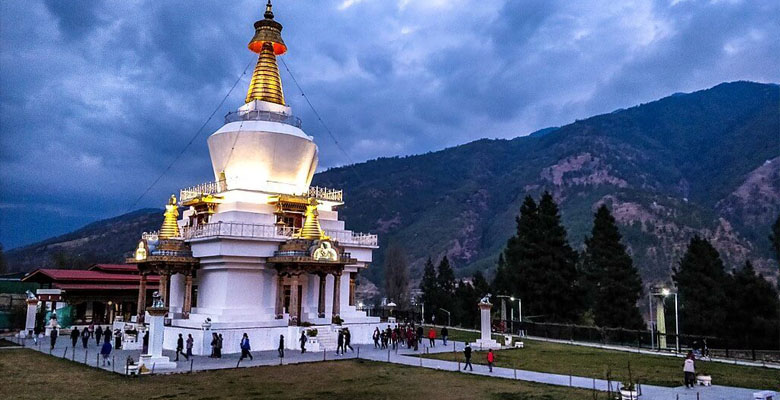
<point x="97" y="98"/>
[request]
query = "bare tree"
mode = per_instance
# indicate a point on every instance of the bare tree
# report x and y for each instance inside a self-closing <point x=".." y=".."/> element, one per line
<point x="396" y="276"/>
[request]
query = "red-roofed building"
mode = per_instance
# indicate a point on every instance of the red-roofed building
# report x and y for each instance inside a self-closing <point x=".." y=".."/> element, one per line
<point x="97" y="294"/>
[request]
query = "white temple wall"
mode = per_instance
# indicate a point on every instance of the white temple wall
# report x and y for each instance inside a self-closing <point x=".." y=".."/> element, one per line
<point x="176" y="295"/>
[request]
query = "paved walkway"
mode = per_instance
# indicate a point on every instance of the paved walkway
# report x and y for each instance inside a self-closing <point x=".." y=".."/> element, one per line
<point x="408" y="357"/>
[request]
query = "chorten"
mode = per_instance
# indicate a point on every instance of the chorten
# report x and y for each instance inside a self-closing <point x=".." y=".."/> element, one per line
<point x="272" y="256"/>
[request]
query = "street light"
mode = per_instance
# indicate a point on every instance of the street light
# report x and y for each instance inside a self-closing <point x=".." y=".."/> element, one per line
<point x="665" y="292"/>
<point x="519" y="310"/>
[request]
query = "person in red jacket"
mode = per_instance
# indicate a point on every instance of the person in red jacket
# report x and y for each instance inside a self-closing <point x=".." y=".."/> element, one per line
<point x="490" y="359"/>
<point x="432" y="337"/>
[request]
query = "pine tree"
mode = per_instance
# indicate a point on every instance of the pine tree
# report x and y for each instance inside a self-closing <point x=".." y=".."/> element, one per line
<point x="518" y="252"/>
<point x="613" y="282"/>
<point x="541" y="264"/>
<point x="774" y="238"/>
<point x="500" y="284"/>
<point x="446" y="276"/>
<point x="396" y="276"/>
<point x="749" y="291"/>
<point x="3" y="264"/>
<point x="430" y="289"/>
<point x="445" y="280"/>
<point x="464" y="305"/>
<point x="701" y="283"/>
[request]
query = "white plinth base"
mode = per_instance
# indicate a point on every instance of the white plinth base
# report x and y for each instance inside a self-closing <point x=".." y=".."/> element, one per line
<point x="158" y="363"/>
<point x="482" y="344"/>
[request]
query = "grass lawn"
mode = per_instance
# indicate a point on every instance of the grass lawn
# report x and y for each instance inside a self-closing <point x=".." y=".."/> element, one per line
<point x="593" y="362"/>
<point x="27" y="374"/>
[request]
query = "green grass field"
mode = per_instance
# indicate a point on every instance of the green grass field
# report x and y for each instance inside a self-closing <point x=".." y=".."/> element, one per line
<point x="596" y="363"/>
<point x="27" y="374"/>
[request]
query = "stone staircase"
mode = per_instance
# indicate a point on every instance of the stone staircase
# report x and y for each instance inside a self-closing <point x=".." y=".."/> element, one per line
<point x="328" y="337"/>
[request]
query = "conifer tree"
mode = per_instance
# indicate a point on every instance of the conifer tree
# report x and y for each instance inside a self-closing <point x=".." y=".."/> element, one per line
<point x="430" y="288"/>
<point x="701" y="283"/>
<point x="3" y="264"/>
<point x="774" y="238"/>
<point x="541" y="264"/>
<point x="613" y="283"/>
<point x="396" y="276"/>
<point x="500" y="284"/>
<point x="753" y="309"/>
<point x="446" y="276"/>
<point x="445" y="280"/>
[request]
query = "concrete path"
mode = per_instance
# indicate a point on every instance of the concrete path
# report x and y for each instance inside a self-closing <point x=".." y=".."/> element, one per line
<point x="89" y="356"/>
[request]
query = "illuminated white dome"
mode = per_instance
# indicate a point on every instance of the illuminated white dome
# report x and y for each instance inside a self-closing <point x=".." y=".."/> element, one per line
<point x="256" y="152"/>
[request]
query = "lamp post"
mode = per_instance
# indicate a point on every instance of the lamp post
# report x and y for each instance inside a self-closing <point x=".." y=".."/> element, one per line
<point x="665" y="292"/>
<point x="519" y="311"/>
<point x="652" y="331"/>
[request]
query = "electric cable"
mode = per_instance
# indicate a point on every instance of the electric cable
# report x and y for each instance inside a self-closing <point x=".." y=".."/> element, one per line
<point x="192" y="139"/>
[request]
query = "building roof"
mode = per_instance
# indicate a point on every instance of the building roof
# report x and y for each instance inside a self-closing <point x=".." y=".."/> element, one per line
<point x="114" y="268"/>
<point x="77" y="275"/>
<point x="100" y="286"/>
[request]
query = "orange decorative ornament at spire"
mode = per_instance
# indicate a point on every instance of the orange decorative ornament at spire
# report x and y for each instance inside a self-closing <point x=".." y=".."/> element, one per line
<point x="266" y="84"/>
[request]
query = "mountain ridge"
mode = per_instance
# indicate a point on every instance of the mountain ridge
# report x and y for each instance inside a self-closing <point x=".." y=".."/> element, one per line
<point x="706" y="162"/>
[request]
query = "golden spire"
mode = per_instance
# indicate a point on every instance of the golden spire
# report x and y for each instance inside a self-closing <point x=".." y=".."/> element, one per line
<point x="311" y="225"/>
<point x="266" y="84"/>
<point x="170" y="227"/>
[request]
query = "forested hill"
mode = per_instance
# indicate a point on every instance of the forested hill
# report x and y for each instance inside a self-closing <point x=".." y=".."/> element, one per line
<point x="706" y="162"/>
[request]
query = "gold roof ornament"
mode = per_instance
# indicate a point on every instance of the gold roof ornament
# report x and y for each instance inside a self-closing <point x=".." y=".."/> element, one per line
<point x="266" y="84"/>
<point x="311" y="225"/>
<point x="170" y="226"/>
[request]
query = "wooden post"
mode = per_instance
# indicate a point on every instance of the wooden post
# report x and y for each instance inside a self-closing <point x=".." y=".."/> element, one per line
<point x="187" y="307"/>
<point x="321" y="300"/>
<point x="141" y="297"/>
<point x="279" y="294"/>
<point x="293" y="311"/>
<point x="337" y="294"/>
<point x="164" y="277"/>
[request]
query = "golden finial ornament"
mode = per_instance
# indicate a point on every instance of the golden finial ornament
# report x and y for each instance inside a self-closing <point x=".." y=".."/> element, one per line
<point x="170" y="226"/>
<point x="266" y="84"/>
<point x="311" y="225"/>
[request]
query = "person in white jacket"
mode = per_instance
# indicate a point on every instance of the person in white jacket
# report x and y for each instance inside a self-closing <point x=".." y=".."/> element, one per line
<point x="689" y="368"/>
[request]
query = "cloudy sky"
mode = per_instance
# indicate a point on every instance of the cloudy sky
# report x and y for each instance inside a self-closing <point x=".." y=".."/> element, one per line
<point x="97" y="98"/>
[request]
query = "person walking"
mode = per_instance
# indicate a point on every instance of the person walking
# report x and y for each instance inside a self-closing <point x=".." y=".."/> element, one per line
<point x="340" y="342"/>
<point x="689" y="370"/>
<point x="432" y="337"/>
<point x="53" y="337"/>
<point x="245" y="348"/>
<point x="303" y="340"/>
<point x="145" y="342"/>
<point x="74" y="337"/>
<point x="467" y="355"/>
<point x="98" y="335"/>
<point x="118" y="339"/>
<point x="213" y="345"/>
<point x="84" y="337"/>
<point x="490" y="359"/>
<point x="91" y="329"/>
<point x="190" y="342"/>
<point x="347" y="340"/>
<point x="105" y="351"/>
<point x="420" y="334"/>
<point x="219" y="346"/>
<point x="444" y="334"/>
<point x="281" y="346"/>
<point x="107" y="335"/>
<point x="375" y="336"/>
<point x="179" y="347"/>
